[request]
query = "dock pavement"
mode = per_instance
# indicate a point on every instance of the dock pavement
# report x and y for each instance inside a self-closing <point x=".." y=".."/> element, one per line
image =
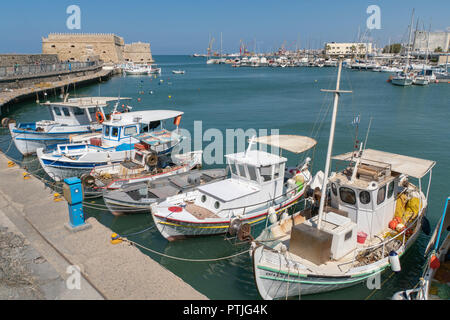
<point x="29" y="215"/>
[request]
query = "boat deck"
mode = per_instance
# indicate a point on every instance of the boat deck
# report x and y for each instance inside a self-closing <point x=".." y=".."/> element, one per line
<point x="200" y="212"/>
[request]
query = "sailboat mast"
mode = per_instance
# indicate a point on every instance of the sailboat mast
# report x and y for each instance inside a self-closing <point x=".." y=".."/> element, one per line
<point x="409" y="41"/>
<point x="330" y="142"/>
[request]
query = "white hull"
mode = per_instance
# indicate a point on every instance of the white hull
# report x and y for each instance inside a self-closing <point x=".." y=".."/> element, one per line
<point x="28" y="142"/>
<point x="173" y="229"/>
<point x="402" y="81"/>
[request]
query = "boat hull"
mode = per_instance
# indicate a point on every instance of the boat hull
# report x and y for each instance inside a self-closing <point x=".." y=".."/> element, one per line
<point x="28" y="141"/>
<point x="274" y="283"/>
<point x="402" y="82"/>
<point x="173" y="229"/>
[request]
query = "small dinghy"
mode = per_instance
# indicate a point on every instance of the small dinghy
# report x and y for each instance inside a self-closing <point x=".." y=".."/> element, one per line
<point x="136" y="197"/>
<point x="178" y="71"/>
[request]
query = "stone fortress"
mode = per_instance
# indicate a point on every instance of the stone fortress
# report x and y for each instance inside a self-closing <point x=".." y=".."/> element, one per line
<point x="107" y="47"/>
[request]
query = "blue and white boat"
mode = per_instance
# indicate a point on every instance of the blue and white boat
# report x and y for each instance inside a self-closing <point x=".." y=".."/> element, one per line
<point x="69" y="117"/>
<point x="115" y="144"/>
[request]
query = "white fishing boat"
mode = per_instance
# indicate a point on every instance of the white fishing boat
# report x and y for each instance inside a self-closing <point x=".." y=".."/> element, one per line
<point x="256" y="187"/>
<point x="344" y="237"/>
<point x="69" y="117"/>
<point x="435" y="281"/>
<point x="178" y="71"/>
<point x="154" y="69"/>
<point x="136" y="69"/>
<point x="117" y="142"/>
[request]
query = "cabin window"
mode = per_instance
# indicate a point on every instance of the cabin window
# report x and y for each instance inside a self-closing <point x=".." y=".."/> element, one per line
<point x="266" y="173"/>
<point x="57" y="111"/>
<point x="78" y="111"/>
<point x="381" y="195"/>
<point x="154" y="124"/>
<point x="129" y="131"/>
<point x="391" y="189"/>
<point x="138" y="157"/>
<point x="66" y="112"/>
<point x="347" y="195"/>
<point x="334" y="189"/>
<point x="203" y="198"/>
<point x="106" y="133"/>
<point x="252" y="173"/>
<point x="348" y="235"/>
<point x="241" y="170"/>
<point x="115" y="132"/>
<point x="364" y="197"/>
<point x="217" y="204"/>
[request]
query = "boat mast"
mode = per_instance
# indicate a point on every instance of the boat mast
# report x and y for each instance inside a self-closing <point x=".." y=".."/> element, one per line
<point x="337" y="92"/>
<point x="409" y="41"/>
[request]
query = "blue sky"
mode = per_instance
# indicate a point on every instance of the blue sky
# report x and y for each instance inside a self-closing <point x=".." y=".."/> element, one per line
<point x="183" y="27"/>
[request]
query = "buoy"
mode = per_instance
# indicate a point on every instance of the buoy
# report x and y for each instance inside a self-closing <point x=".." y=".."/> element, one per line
<point x="394" y="260"/>
<point x="115" y="238"/>
<point x="170" y="97"/>
<point x="434" y="262"/>
<point x="393" y="224"/>
<point x="139" y="99"/>
<point x="272" y="215"/>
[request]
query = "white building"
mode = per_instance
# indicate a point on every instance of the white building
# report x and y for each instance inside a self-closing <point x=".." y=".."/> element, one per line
<point x="341" y="48"/>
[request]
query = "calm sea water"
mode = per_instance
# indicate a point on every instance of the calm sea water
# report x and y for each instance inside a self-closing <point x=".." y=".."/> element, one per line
<point x="411" y="121"/>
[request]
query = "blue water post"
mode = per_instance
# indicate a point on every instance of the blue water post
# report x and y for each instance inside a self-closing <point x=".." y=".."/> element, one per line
<point x="73" y="193"/>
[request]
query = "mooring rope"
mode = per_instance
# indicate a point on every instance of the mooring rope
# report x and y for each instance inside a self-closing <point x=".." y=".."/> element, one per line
<point x="186" y="259"/>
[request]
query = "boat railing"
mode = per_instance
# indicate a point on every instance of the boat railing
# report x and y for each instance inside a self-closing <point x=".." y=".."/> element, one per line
<point x="383" y="244"/>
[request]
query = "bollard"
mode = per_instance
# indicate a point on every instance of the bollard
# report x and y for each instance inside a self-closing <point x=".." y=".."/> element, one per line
<point x="73" y="193"/>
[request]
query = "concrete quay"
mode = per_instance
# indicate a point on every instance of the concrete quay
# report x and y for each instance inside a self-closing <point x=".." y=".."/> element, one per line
<point x="119" y="271"/>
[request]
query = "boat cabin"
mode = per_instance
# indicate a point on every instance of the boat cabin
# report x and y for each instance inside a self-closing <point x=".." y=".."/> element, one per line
<point x="369" y="198"/>
<point x="129" y="128"/>
<point x="78" y="111"/>
<point x="256" y="176"/>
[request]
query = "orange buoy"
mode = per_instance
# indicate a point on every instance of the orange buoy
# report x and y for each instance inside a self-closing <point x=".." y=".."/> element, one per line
<point x="393" y="224"/>
<point x="139" y="99"/>
<point x="434" y="262"/>
<point x="99" y="116"/>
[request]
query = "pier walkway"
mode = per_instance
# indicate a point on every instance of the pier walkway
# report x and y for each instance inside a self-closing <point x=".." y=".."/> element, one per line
<point x="109" y="271"/>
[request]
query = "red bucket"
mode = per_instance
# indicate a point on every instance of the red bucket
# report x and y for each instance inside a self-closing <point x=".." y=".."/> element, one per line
<point x="361" y="237"/>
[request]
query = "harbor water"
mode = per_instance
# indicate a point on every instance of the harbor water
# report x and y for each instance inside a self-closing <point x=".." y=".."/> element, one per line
<point x="411" y="121"/>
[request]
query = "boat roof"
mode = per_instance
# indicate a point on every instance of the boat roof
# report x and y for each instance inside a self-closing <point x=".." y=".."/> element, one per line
<point x="85" y="102"/>
<point x="142" y="117"/>
<point x="410" y="166"/>
<point x="292" y="143"/>
<point x="256" y="158"/>
<point x="228" y="190"/>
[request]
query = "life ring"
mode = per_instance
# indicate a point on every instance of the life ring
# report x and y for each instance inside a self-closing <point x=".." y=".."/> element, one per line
<point x="99" y="116"/>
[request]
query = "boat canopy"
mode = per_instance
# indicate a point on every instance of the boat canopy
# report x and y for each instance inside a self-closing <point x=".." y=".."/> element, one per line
<point x="85" y="102"/>
<point x="410" y="166"/>
<point x="256" y="158"/>
<point x="292" y="143"/>
<point x="142" y="117"/>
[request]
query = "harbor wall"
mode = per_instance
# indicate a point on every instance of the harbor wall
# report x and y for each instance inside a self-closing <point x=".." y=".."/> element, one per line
<point x="9" y="60"/>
